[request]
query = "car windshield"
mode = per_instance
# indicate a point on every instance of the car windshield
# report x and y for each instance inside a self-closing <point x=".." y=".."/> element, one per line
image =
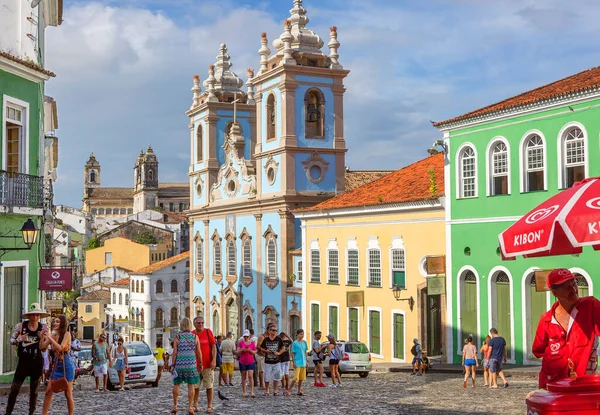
<point x="356" y="348"/>
<point x="138" y="350"/>
<point x="85" y="354"/>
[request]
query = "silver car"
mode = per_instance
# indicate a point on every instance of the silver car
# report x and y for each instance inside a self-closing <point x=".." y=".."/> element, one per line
<point x="142" y="364"/>
<point x="356" y="359"/>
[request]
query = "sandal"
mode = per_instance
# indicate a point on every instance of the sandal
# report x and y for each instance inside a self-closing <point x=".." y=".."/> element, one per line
<point x="300" y="394"/>
<point x="174" y="410"/>
<point x="252" y="396"/>
<point x="209" y="410"/>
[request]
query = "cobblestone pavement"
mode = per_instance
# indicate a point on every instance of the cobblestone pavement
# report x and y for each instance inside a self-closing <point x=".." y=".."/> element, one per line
<point x="380" y="393"/>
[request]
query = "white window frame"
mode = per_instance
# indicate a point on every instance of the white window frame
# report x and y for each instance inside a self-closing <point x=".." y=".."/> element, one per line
<point x="459" y="171"/>
<point x="269" y="239"/>
<point x="333" y="247"/>
<point x="490" y="165"/>
<point x="524" y="160"/>
<point x="562" y="168"/>
<point x="231" y="257"/>
<point x="8" y="101"/>
<point x="396" y="244"/>
<point x="246" y="259"/>
<point x="220" y="251"/>
<point x="199" y="256"/>
<point x="392" y="358"/>
<point x="312" y="266"/>
<point x="299" y="270"/>
<point x="352" y="245"/>
<point x="378" y="309"/>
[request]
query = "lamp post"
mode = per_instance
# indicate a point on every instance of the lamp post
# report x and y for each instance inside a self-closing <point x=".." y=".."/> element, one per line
<point x="29" y="233"/>
<point x="398" y="293"/>
<point x="433" y="150"/>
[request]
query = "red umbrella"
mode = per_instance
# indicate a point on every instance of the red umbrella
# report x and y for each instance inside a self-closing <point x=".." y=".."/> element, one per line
<point x="561" y="225"/>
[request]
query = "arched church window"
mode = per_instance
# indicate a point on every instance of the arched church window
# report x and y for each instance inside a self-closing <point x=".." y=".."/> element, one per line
<point x="150" y="175"/>
<point x="271" y="116"/>
<point x="199" y="146"/>
<point x="92" y="176"/>
<point x="314" y="107"/>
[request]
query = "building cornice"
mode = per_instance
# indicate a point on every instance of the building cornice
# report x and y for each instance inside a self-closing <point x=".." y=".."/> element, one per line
<point x="23" y="68"/>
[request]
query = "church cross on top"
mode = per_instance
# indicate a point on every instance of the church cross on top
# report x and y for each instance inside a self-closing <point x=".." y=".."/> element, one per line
<point x="235" y="101"/>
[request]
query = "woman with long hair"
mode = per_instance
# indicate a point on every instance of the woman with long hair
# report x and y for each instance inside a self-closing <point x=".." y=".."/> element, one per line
<point x="187" y="357"/>
<point x="120" y="362"/>
<point x="246" y="349"/>
<point x="335" y="355"/>
<point x="469" y="361"/>
<point x="60" y="342"/>
<point x="485" y="356"/>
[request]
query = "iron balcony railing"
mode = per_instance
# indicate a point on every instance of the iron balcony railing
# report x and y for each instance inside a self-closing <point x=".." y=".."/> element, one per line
<point x="24" y="190"/>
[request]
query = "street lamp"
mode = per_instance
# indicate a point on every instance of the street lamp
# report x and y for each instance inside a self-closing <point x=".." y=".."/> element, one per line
<point x="433" y="150"/>
<point x="29" y="233"/>
<point x="398" y="293"/>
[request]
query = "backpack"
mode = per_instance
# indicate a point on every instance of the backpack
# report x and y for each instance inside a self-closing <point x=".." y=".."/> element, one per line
<point x="413" y="351"/>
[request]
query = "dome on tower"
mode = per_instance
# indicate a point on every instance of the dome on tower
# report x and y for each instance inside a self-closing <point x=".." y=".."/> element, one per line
<point x="304" y="40"/>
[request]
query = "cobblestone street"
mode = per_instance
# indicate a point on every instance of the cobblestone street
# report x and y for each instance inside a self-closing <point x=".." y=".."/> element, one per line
<point x="380" y="393"/>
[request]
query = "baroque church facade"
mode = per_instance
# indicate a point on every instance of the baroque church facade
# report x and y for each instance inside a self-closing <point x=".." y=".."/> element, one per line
<point x="257" y="155"/>
<point x="147" y="193"/>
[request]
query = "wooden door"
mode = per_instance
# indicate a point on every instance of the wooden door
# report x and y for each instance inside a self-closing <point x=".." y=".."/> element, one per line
<point x="399" y="336"/>
<point x="468" y="313"/>
<point x="353" y="326"/>
<point x="502" y="312"/>
<point x="434" y="325"/>
<point x="537" y="307"/>
<point x="13" y="308"/>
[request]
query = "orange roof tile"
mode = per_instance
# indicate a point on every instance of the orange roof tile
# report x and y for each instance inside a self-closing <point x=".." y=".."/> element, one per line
<point x="28" y="63"/>
<point x="97" y="295"/>
<point x="162" y="264"/>
<point x="121" y="282"/>
<point x="409" y="184"/>
<point x="582" y="81"/>
<point x="357" y="178"/>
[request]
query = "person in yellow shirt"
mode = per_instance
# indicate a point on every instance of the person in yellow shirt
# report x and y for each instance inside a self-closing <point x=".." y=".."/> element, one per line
<point x="159" y="354"/>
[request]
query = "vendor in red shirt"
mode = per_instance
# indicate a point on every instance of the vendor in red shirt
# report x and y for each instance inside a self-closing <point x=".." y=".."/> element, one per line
<point x="567" y="335"/>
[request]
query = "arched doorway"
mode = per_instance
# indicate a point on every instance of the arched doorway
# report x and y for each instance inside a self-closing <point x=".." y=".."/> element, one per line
<point x="232" y="314"/>
<point x="294" y="326"/>
<point x="583" y="288"/>
<point x="469" y="314"/>
<point x="536" y="304"/>
<point x="216" y="324"/>
<point x="501" y="306"/>
<point x="248" y="323"/>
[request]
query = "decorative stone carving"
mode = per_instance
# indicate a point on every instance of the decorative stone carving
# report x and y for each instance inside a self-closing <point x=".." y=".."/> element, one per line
<point x="303" y="39"/>
<point x="199" y="185"/>
<point x="247" y="311"/>
<point x="333" y="46"/>
<point x="271" y="316"/>
<point x="264" y="53"/>
<point x="250" y="87"/>
<point x="271" y="168"/>
<point x="315" y="167"/>
<point x="295" y="311"/>
<point x="196" y="91"/>
<point x="198" y="274"/>
<point x="199" y="306"/>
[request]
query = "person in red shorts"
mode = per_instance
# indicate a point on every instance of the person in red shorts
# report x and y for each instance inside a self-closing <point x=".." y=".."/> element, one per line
<point x="567" y="334"/>
<point x="208" y="346"/>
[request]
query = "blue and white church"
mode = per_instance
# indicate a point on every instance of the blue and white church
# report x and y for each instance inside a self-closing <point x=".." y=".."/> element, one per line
<point x="257" y="154"/>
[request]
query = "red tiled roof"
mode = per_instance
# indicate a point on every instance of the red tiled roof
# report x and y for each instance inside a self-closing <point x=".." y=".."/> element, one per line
<point x="97" y="295"/>
<point x="174" y="215"/>
<point x="409" y="184"/>
<point x="29" y="64"/>
<point x="162" y="264"/>
<point x="121" y="282"/>
<point x="111" y="193"/>
<point x="357" y="178"/>
<point x="583" y="81"/>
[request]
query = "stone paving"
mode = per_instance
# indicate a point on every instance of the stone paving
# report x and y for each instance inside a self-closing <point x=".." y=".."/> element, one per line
<point x="380" y="393"/>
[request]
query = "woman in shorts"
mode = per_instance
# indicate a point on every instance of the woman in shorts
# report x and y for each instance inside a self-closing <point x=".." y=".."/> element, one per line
<point x="120" y="363"/>
<point x="469" y="361"/>
<point x="246" y="349"/>
<point x="159" y="354"/>
<point x="335" y="355"/>
<point x="485" y="355"/>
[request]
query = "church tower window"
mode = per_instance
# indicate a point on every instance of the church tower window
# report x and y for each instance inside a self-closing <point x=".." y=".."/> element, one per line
<point x="314" y="107"/>
<point x="92" y="176"/>
<point x="271" y="117"/>
<point x="199" y="148"/>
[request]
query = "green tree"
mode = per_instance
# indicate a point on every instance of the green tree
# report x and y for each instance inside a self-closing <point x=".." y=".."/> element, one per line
<point x="94" y="243"/>
<point x="145" y="238"/>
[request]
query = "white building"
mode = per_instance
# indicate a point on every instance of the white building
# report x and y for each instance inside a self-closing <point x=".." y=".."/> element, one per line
<point x="118" y="311"/>
<point x="160" y="297"/>
<point x="106" y="276"/>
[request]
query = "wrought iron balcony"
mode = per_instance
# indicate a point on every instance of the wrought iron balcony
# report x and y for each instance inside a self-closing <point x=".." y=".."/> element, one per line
<point x="24" y="190"/>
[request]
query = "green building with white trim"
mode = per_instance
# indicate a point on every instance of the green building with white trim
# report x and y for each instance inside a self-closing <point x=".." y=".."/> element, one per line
<point x="27" y="158"/>
<point x="501" y="161"/>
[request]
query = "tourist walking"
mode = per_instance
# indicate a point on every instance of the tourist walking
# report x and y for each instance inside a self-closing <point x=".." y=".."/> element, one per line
<point x="485" y="357"/>
<point x="60" y="342"/>
<point x="335" y="355"/>
<point x="159" y="354"/>
<point x="285" y="360"/>
<point x="246" y="349"/>
<point x="298" y="353"/>
<point x="318" y="356"/>
<point x="30" y="338"/>
<point x="187" y="356"/>
<point x="497" y="358"/>
<point x="208" y="347"/>
<point x="120" y="362"/>
<point x="272" y="347"/>
<point x="227" y="349"/>
<point x="254" y="340"/>
<point x="260" y="359"/>
<point x="219" y="340"/>
<point x="101" y="359"/>
<point x="469" y="361"/>
<point x="417" y="361"/>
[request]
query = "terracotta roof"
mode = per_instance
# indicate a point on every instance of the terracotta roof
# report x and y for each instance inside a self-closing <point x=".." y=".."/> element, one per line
<point x="121" y="282"/>
<point x="409" y="184"/>
<point x="30" y="64"/>
<point x="163" y="264"/>
<point x="357" y="178"/>
<point x="583" y="81"/>
<point x="97" y="295"/>
<point x="92" y="284"/>
<point x="111" y="193"/>
<point x="174" y="215"/>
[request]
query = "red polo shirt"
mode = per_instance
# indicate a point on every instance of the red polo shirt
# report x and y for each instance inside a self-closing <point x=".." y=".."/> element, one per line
<point x="207" y="340"/>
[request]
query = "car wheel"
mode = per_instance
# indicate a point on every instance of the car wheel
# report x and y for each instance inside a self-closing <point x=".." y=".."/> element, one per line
<point x="363" y="374"/>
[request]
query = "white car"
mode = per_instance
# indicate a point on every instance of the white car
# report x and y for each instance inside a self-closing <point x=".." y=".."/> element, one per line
<point x="356" y="359"/>
<point x="142" y="364"/>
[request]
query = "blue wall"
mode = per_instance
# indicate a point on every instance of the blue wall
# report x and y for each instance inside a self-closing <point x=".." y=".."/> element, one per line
<point x="303" y="183"/>
<point x="300" y="115"/>
<point x="276" y="186"/>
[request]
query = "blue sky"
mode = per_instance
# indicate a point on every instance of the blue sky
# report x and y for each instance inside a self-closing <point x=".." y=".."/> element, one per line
<point x="124" y="70"/>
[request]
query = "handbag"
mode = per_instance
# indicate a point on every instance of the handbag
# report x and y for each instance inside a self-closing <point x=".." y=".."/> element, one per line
<point x="59" y="385"/>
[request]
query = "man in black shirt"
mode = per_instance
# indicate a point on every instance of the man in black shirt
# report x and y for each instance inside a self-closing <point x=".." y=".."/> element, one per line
<point x="272" y="347"/>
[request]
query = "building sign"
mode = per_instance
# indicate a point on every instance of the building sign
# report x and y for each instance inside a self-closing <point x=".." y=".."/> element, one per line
<point x="355" y="299"/>
<point x="540" y="280"/>
<point x="56" y="279"/>
<point x="436" y="285"/>
<point x="435" y="265"/>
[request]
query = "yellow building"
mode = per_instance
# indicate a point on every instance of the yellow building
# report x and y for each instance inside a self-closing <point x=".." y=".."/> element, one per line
<point x="360" y="245"/>
<point x="124" y="253"/>
<point x="91" y="314"/>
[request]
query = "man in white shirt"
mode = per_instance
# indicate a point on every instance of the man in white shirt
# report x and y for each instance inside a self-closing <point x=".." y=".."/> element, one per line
<point x="227" y="366"/>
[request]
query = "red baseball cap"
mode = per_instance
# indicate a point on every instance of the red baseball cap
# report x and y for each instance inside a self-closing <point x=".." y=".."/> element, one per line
<point x="558" y="276"/>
